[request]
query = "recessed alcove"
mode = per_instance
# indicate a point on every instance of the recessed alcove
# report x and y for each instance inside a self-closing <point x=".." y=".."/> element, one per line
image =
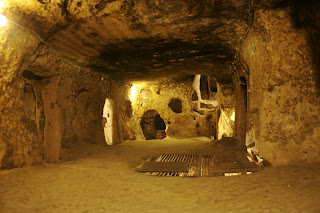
<point x="175" y="105"/>
<point x="153" y="126"/>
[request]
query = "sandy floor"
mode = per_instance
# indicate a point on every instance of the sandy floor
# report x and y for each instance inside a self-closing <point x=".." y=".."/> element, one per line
<point x="102" y="181"/>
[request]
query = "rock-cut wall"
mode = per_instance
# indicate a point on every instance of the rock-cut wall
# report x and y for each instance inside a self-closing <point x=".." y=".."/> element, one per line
<point x="19" y="141"/>
<point x="45" y="102"/>
<point x="174" y="102"/>
<point x="283" y="120"/>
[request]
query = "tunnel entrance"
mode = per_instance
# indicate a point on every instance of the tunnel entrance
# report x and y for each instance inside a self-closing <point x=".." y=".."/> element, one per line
<point x="153" y="126"/>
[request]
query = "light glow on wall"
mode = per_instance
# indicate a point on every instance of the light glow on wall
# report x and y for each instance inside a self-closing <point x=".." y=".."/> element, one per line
<point x="2" y="4"/>
<point x="133" y="92"/>
<point x="233" y="117"/>
<point x="3" y="20"/>
<point x="226" y="123"/>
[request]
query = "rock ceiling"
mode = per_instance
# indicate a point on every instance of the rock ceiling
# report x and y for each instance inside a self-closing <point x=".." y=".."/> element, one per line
<point x="141" y="38"/>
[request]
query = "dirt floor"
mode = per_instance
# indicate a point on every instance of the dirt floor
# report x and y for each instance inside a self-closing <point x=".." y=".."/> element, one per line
<point x="97" y="178"/>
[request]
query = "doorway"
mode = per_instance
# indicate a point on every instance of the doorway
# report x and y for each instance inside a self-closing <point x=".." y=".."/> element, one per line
<point x="153" y="126"/>
<point x="107" y="121"/>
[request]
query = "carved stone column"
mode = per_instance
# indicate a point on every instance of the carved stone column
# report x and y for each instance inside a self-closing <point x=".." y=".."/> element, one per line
<point x="53" y="124"/>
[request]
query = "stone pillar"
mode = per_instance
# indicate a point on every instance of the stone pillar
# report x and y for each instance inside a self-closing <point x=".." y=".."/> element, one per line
<point x="53" y="118"/>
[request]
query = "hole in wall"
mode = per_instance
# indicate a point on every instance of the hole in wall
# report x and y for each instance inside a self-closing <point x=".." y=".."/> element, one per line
<point x="213" y="85"/>
<point x="101" y="5"/>
<point x="153" y="126"/>
<point x="204" y="87"/>
<point x="31" y="76"/>
<point x="243" y="81"/>
<point x="175" y="105"/>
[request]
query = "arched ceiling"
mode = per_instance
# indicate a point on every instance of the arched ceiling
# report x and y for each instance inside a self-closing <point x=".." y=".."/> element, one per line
<point x="139" y="39"/>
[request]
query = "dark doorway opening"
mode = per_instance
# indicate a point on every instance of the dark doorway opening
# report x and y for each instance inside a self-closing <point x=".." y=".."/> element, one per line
<point x="204" y="87"/>
<point x="153" y="126"/>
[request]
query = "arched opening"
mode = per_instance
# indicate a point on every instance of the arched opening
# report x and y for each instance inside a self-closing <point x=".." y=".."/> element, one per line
<point x="153" y="126"/>
<point x="107" y="121"/>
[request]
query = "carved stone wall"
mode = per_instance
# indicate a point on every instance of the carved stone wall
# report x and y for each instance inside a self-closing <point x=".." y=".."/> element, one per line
<point x="283" y="119"/>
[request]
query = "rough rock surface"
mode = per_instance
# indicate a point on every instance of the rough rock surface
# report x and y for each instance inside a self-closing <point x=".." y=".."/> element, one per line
<point x="36" y="119"/>
<point x="19" y="142"/>
<point x="87" y="43"/>
<point x="157" y="95"/>
<point x="139" y="38"/>
<point x="81" y="97"/>
<point x="284" y="102"/>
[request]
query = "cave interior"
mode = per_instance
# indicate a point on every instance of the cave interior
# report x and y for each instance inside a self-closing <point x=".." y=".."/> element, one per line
<point x="108" y="71"/>
<point x="90" y="88"/>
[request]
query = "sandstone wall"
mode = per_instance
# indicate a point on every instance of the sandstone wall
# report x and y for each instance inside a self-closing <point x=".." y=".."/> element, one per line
<point x="283" y="100"/>
<point x="156" y="95"/>
<point x="45" y="102"/>
<point x="81" y="97"/>
<point x="19" y="142"/>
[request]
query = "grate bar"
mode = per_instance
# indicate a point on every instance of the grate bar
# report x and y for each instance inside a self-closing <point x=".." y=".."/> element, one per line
<point x="198" y="165"/>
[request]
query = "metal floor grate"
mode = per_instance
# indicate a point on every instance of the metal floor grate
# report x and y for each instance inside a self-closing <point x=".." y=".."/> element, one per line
<point x="220" y="164"/>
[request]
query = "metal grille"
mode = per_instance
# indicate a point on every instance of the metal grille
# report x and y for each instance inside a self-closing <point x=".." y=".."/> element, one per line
<point x="233" y="163"/>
